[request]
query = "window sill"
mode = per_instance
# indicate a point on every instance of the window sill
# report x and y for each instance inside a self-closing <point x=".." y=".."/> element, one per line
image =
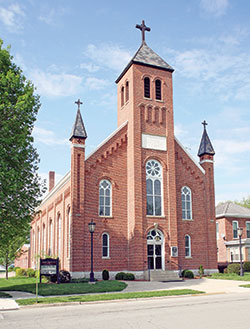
<point x="148" y="99"/>
<point x="106" y="217"/>
<point x="159" y="100"/>
<point x="152" y="216"/>
<point x="105" y="257"/>
<point x="188" y="257"/>
<point x="188" y="220"/>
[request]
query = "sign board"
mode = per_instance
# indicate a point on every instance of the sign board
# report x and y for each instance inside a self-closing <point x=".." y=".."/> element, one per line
<point x="174" y="251"/>
<point x="49" y="266"/>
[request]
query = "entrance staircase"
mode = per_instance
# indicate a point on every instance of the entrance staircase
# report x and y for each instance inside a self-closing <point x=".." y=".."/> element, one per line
<point x="163" y="276"/>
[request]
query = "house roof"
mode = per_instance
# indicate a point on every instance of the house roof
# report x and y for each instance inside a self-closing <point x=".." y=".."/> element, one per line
<point x="78" y="129"/>
<point x="206" y="146"/>
<point x="231" y="209"/>
<point x="146" y="56"/>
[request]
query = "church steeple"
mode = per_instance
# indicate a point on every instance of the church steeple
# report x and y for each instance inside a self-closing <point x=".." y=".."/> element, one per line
<point x="78" y="130"/>
<point x="205" y="144"/>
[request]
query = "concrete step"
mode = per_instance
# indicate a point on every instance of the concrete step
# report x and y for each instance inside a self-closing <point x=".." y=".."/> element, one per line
<point x="158" y="275"/>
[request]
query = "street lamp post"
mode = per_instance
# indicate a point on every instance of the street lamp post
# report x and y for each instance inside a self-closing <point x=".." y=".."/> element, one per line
<point x="91" y="230"/>
<point x="240" y="231"/>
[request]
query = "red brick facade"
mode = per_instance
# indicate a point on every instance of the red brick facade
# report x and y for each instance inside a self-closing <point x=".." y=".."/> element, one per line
<point x="122" y="160"/>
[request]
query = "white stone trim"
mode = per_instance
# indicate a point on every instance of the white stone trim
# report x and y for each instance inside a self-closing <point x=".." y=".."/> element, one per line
<point x="206" y="160"/>
<point x="78" y="145"/>
<point x="154" y="142"/>
<point x="232" y="215"/>
<point x="107" y="139"/>
<point x="190" y="156"/>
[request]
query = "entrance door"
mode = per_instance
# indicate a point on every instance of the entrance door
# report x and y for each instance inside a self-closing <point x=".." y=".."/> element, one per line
<point x="155" y="250"/>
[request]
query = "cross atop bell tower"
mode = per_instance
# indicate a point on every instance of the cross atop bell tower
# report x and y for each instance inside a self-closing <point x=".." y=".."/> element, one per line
<point x="143" y="28"/>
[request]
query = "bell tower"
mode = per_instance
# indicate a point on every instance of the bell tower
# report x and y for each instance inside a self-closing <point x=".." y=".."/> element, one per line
<point x="145" y="100"/>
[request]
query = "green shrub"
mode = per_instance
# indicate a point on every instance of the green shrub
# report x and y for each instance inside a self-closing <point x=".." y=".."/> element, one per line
<point x="187" y="274"/>
<point x="246" y="266"/>
<point x="21" y="272"/>
<point x="233" y="268"/>
<point x="201" y="271"/>
<point x="31" y="273"/>
<point x="225" y="270"/>
<point x="105" y="275"/>
<point x="16" y="268"/>
<point x="124" y="276"/>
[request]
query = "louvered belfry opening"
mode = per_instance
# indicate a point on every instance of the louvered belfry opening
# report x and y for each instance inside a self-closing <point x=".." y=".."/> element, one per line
<point x="158" y="89"/>
<point x="146" y="87"/>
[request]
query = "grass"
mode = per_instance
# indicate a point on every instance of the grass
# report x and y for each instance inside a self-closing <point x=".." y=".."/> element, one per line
<point x="46" y="289"/>
<point x="230" y="276"/>
<point x="4" y="295"/>
<point x="103" y="297"/>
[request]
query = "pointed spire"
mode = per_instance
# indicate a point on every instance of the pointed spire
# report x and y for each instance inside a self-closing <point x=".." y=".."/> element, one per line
<point x="205" y="144"/>
<point x="78" y="130"/>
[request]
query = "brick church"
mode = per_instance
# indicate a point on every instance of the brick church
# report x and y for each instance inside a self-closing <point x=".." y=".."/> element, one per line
<point x="152" y="203"/>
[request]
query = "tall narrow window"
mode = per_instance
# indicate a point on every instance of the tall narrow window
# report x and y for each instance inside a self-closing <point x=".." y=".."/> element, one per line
<point x="187" y="246"/>
<point x="248" y="229"/>
<point x="127" y="91"/>
<point x="50" y="237"/>
<point x="44" y="239"/>
<point x="69" y="233"/>
<point x="34" y="243"/>
<point x="158" y="89"/>
<point x="122" y="96"/>
<point x="235" y="229"/>
<point x="105" y="245"/>
<point x="38" y="240"/>
<point x="186" y="202"/>
<point x="146" y="87"/>
<point x="217" y="231"/>
<point x="59" y="236"/>
<point x="105" y="198"/>
<point x="153" y="186"/>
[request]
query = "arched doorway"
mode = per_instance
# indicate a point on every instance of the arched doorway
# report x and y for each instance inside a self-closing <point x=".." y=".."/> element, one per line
<point x="155" y="250"/>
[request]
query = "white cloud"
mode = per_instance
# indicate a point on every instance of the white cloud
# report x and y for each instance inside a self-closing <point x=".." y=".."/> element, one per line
<point x="50" y="15"/>
<point x="214" y="7"/>
<point x="107" y="55"/>
<point x="89" y="67"/>
<point x="47" y="137"/>
<point x="93" y="83"/>
<point x="12" y="17"/>
<point x="56" y="85"/>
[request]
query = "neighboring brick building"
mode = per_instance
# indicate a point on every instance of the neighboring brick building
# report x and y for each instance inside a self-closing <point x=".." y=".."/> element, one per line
<point x="152" y="203"/>
<point x="230" y="217"/>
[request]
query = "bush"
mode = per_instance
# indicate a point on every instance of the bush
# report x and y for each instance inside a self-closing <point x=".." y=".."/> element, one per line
<point x="246" y="266"/>
<point x="187" y="274"/>
<point x="31" y="273"/>
<point x="21" y="272"/>
<point x="201" y="271"/>
<point x="16" y="268"/>
<point x="124" y="276"/>
<point x="225" y="270"/>
<point x="64" y="277"/>
<point x="105" y="274"/>
<point x="233" y="268"/>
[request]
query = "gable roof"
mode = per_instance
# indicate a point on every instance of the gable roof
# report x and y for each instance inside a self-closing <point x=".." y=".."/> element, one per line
<point x="146" y="56"/>
<point x="231" y="209"/>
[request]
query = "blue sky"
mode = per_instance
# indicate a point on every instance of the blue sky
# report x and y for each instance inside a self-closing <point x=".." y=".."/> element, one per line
<point x="76" y="49"/>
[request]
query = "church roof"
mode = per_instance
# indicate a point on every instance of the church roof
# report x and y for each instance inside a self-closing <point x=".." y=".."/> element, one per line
<point x="231" y="209"/>
<point x="146" y="56"/>
<point x="78" y="129"/>
<point x="206" y="146"/>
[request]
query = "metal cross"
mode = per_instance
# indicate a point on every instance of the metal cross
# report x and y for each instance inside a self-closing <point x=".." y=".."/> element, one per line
<point x="204" y="123"/>
<point x="143" y="28"/>
<point x="78" y="103"/>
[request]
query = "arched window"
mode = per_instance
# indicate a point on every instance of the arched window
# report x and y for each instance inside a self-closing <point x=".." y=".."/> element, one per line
<point x="59" y="221"/>
<point x="50" y="237"/>
<point x="34" y="243"/>
<point x="122" y="96"/>
<point x="127" y="91"/>
<point x="186" y="202"/>
<point x="235" y="229"/>
<point x="146" y="87"/>
<point x="44" y="239"/>
<point x="69" y="232"/>
<point x="38" y="240"/>
<point x="105" y="245"/>
<point x="105" y="198"/>
<point x="154" y="188"/>
<point x="158" y="89"/>
<point x="187" y="246"/>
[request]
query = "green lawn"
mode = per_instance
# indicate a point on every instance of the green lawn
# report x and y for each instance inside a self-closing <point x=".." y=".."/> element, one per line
<point x="231" y="276"/>
<point x="4" y="295"/>
<point x="101" y="297"/>
<point x="46" y="289"/>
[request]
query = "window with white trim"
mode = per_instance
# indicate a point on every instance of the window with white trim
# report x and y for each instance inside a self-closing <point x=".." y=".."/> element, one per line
<point x="69" y="233"/>
<point x="235" y="229"/>
<point x="186" y="202"/>
<point x="187" y="246"/>
<point x="217" y="231"/>
<point x="59" y="236"/>
<point x="154" y="188"/>
<point x="105" y="198"/>
<point x="105" y="245"/>
<point x="248" y="229"/>
<point x="38" y="240"/>
<point x="50" y="238"/>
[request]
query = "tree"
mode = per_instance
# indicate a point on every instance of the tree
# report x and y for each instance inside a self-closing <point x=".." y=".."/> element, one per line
<point x="20" y="187"/>
<point x="245" y="202"/>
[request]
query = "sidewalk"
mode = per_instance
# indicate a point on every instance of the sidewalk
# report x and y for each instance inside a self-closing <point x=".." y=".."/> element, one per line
<point x="207" y="285"/>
